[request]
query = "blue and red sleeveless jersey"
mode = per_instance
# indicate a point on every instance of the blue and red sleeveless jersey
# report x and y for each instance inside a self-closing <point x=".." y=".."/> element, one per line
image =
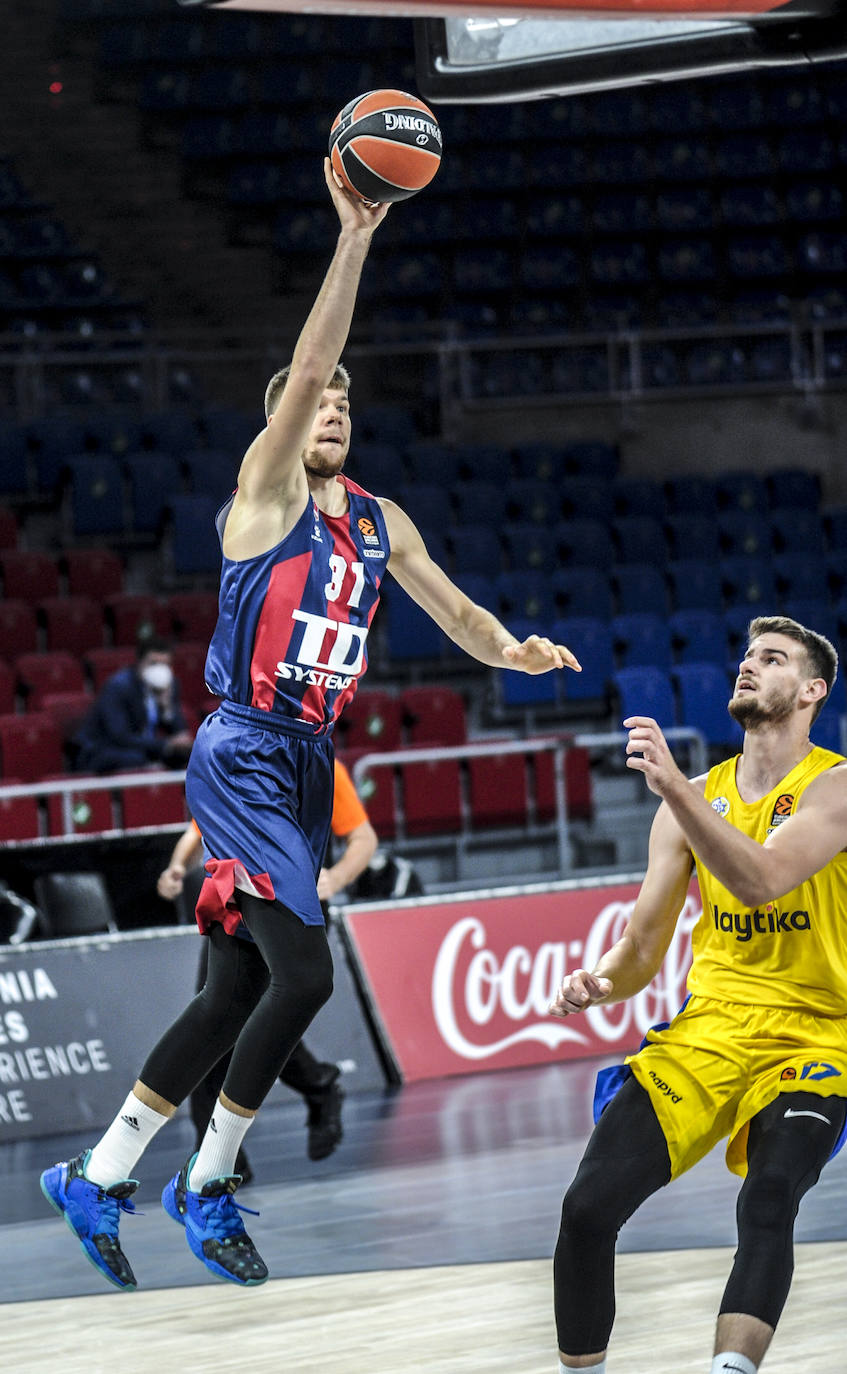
<point x="293" y="622"/>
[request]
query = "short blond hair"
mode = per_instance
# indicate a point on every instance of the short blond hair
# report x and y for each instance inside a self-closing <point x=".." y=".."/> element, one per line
<point x="339" y="381"/>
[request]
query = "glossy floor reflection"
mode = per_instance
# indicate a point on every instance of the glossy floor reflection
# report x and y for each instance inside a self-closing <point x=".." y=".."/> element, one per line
<point x="455" y="1171"/>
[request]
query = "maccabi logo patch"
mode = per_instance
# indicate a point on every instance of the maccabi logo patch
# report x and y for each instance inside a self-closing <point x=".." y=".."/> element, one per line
<point x="721" y="805"/>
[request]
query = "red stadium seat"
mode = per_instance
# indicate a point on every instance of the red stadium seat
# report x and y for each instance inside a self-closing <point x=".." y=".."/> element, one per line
<point x="19" y="819"/>
<point x="432" y="797"/>
<point x="498" y="790"/>
<point x="8" y="529"/>
<point x="68" y="710"/>
<point x="18" y="628"/>
<point x="93" y="572"/>
<point x="7" y="688"/>
<point x="102" y="663"/>
<point x="373" y="720"/>
<point x="579" y="798"/>
<point x="377" y="791"/>
<point x="30" y="746"/>
<point x="91" y="812"/>
<point x="74" y="623"/>
<point x="127" y="612"/>
<point x="434" y="715"/>
<point x="189" y="663"/>
<point x="158" y="804"/>
<point x="40" y="675"/>
<point x="194" y="615"/>
<point x="29" y="574"/>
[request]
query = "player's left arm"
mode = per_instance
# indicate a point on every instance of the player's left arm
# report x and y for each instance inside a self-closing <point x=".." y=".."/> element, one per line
<point x="469" y="625"/>
<point x="797" y="849"/>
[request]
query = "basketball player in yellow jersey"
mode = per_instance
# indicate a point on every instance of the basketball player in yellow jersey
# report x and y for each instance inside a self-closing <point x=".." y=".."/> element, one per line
<point x="758" y="1053"/>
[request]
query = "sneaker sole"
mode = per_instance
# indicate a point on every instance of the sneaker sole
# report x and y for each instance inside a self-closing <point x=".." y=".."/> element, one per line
<point x="95" y="1263"/>
<point x="195" y="1245"/>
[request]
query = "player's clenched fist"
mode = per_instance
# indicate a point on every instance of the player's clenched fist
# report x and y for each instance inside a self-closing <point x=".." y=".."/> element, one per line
<point x="579" y="990"/>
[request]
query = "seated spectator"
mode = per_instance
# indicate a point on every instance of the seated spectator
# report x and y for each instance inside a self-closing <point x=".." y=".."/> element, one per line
<point x="137" y="720"/>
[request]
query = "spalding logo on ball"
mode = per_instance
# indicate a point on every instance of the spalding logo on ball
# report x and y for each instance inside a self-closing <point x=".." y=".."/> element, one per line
<point x="385" y="145"/>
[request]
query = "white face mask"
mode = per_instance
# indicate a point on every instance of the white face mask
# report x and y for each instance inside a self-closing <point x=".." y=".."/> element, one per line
<point x="157" y="676"/>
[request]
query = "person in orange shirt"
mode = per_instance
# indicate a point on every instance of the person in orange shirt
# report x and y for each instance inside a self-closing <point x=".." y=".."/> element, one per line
<point x="315" y="1081"/>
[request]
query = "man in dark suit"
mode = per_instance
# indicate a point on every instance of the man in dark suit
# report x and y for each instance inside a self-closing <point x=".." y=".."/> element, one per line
<point x="137" y="719"/>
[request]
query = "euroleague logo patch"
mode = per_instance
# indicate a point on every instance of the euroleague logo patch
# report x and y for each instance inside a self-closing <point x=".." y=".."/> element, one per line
<point x="367" y="530"/>
<point x="782" y="809"/>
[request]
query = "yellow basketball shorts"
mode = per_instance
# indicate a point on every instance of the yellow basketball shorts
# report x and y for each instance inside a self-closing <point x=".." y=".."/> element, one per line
<point x="719" y="1063"/>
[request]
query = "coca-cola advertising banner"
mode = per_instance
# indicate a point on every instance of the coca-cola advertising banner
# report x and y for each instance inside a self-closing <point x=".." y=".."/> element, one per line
<point x="461" y="985"/>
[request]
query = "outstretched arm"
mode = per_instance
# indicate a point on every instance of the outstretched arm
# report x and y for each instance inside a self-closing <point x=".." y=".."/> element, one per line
<point x="635" y="959"/>
<point x="754" y="872"/>
<point x="185" y="854"/>
<point x="470" y="626"/>
<point x="271" y="481"/>
<point x="360" y="847"/>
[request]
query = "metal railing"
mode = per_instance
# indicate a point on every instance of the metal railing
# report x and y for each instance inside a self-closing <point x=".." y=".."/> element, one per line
<point x="76" y="785"/>
<point x="557" y="745"/>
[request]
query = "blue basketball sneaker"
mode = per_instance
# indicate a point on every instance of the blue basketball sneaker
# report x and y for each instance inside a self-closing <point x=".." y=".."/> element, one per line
<point x="93" y="1214"/>
<point x="213" y="1228"/>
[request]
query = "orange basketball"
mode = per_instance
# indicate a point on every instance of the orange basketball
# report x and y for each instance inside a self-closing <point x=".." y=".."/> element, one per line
<point x="385" y="145"/>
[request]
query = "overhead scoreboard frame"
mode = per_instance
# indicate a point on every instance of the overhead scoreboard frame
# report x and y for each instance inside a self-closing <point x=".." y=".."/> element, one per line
<point x="485" y="51"/>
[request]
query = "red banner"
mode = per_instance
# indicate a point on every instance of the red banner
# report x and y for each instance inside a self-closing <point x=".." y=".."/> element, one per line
<point x="463" y="986"/>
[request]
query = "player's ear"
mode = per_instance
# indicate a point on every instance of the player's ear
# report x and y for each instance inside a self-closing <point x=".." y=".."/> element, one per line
<point x="816" y="689"/>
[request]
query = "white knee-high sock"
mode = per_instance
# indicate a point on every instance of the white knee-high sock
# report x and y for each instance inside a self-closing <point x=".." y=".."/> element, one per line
<point x="730" y="1362"/>
<point x="219" y="1148"/>
<point x="118" y="1151"/>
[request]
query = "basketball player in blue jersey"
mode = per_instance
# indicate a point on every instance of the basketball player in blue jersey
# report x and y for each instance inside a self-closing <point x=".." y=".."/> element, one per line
<point x="304" y="553"/>
<point x="758" y="1052"/>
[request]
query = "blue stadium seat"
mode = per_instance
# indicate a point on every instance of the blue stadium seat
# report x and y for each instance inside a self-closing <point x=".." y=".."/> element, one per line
<point x="378" y="467"/>
<point x="529" y="546"/>
<point x="597" y="459"/>
<point x="744" y="155"/>
<point x="14" y="470"/>
<point x="479" y="502"/>
<point x="695" y="584"/>
<point x="698" y="636"/>
<point x="682" y="159"/>
<point x="525" y="594"/>
<point x="798" y="531"/>
<point x="828" y="730"/>
<point x="638" y="496"/>
<point x="527" y="689"/>
<point x="805" y="150"/>
<point x="801" y="575"/>
<point x="533" y="501"/>
<point x="742" y="532"/>
<point x="581" y="591"/>
<point x="815" y="613"/>
<point x="681" y="208"/>
<point x="410" y="633"/>
<point x="590" y="639"/>
<point x="96" y="495"/>
<point x="703" y="692"/>
<point x="688" y="259"/>
<point x="690" y="494"/>
<point x="747" y="581"/>
<point x="645" y="692"/>
<point x="426" y="504"/>
<point x="692" y="536"/>
<point x="758" y="255"/>
<point x="479" y="462"/>
<point x="741" y="491"/>
<point x="736" y="619"/>
<point x="815" y="201"/>
<point x="154" y="481"/>
<point x="794" y="489"/>
<point x="642" y="639"/>
<point x="196" y="549"/>
<point x="639" y="587"/>
<point x="477" y="549"/>
<point x="638" y="539"/>
<point x="585" y="498"/>
<point x="585" y="542"/>
<point x="750" y="203"/>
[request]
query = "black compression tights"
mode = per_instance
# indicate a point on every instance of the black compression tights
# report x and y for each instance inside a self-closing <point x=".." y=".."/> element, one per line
<point x="627" y="1160"/>
<point x="258" y="998"/>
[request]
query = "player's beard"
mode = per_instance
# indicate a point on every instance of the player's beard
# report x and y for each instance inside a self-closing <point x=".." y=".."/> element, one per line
<point x="751" y="712"/>
<point x="317" y="465"/>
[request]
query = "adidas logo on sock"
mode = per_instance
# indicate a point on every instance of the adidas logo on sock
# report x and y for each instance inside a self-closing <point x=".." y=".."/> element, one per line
<point x="131" y="1121"/>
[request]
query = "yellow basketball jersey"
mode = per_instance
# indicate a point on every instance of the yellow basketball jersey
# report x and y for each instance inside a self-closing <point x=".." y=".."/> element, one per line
<point x="789" y="952"/>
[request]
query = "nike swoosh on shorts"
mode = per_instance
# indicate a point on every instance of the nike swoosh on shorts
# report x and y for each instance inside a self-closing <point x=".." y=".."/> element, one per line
<point x="817" y="1115"/>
